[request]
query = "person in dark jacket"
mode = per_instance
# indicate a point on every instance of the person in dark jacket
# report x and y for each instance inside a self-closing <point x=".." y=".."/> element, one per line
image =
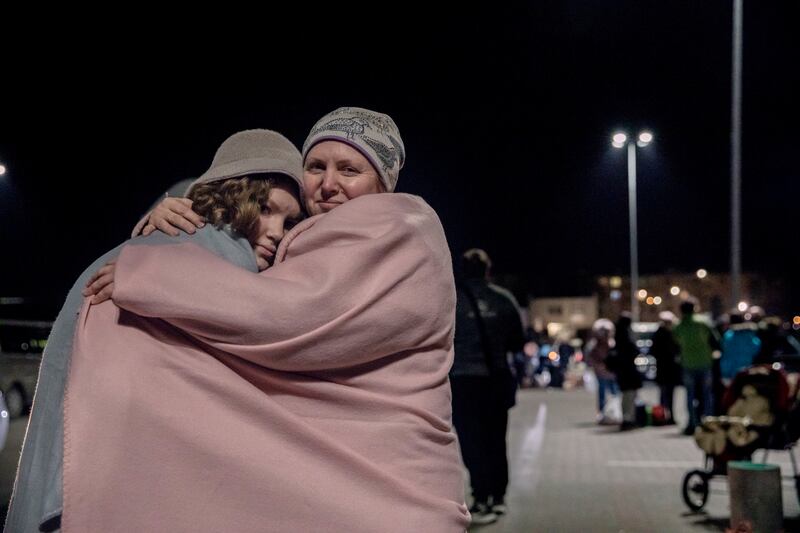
<point x="667" y="354"/>
<point x="774" y="342"/>
<point x="488" y="327"/>
<point x="623" y="364"/>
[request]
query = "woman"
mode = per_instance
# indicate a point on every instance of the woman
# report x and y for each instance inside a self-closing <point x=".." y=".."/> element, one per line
<point x="599" y="347"/>
<point x="250" y="193"/>
<point x="345" y="346"/>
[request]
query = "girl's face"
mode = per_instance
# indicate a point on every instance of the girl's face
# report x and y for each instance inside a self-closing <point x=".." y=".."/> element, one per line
<point x="335" y="172"/>
<point x="278" y="216"/>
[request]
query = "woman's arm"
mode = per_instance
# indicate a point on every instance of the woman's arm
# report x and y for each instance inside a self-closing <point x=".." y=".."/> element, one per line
<point x="101" y="284"/>
<point x="362" y="283"/>
<point x="170" y="216"/>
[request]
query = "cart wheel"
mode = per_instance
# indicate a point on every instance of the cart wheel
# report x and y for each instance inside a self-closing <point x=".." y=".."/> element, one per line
<point x="695" y="489"/>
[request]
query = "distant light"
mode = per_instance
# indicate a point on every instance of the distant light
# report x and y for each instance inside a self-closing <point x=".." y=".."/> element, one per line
<point x="796" y="327"/>
<point x="2" y="170"/>
<point x="685" y="294"/>
<point x="619" y="138"/>
<point x="553" y="356"/>
<point x="776" y="366"/>
<point x="615" y="282"/>
<point x="796" y="320"/>
<point x="642" y="294"/>
<point x="4" y="414"/>
<point x="742" y="306"/>
<point x="645" y="137"/>
<point x="650" y="300"/>
<point x="702" y="273"/>
<point x="657" y="300"/>
<point x="748" y="316"/>
<point x="579" y="356"/>
<point x="675" y="290"/>
<point x="615" y="295"/>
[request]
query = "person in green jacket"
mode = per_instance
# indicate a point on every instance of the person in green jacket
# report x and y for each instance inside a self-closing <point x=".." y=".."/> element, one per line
<point x="697" y="342"/>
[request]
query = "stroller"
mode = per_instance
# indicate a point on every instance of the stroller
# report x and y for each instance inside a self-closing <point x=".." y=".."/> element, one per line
<point x="761" y="413"/>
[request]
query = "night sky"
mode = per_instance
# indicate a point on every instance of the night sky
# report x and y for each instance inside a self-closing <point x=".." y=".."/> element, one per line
<point x="506" y="117"/>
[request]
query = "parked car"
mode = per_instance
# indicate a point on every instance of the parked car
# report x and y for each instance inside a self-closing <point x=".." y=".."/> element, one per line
<point x="21" y="346"/>
<point x="643" y="337"/>
<point x="3" y="423"/>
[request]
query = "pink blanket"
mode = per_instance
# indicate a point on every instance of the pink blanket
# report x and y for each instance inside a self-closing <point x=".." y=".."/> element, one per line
<point x="310" y="397"/>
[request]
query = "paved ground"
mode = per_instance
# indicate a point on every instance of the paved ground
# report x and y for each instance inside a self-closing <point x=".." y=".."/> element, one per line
<point x="568" y="474"/>
<point x="8" y="462"/>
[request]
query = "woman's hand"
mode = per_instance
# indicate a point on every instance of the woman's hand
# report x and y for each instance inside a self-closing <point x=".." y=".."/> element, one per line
<point x="101" y="285"/>
<point x="173" y="215"/>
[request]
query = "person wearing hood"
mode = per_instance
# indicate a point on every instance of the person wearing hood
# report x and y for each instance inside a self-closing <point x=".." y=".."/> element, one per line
<point x="249" y="196"/>
<point x="597" y="350"/>
<point x="344" y="347"/>
<point x="740" y="345"/>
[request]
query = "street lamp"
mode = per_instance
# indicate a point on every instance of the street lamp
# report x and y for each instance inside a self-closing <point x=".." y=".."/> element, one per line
<point x="619" y="140"/>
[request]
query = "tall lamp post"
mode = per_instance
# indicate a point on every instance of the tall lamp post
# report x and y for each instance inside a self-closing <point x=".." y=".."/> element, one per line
<point x="620" y="140"/>
<point x="736" y="155"/>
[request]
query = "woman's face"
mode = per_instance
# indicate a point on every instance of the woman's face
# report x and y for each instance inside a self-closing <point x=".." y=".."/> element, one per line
<point x="334" y="173"/>
<point x="278" y="216"/>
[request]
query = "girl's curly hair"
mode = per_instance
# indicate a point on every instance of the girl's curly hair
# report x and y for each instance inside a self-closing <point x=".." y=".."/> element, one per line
<point x="236" y="201"/>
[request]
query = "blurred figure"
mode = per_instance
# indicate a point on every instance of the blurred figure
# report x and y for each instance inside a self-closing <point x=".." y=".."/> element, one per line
<point x="488" y="326"/>
<point x="696" y="341"/>
<point x="668" y="368"/>
<point x="597" y="350"/>
<point x="623" y="364"/>
<point x="740" y="345"/>
<point x="756" y="313"/>
<point x="774" y="341"/>
<point x="523" y="360"/>
<point x="521" y="369"/>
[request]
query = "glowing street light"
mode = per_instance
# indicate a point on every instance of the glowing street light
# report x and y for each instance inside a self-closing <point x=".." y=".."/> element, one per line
<point x="675" y="290"/>
<point x="620" y="140"/>
<point x="702" y="273"/>
<point x="742" y="306"/>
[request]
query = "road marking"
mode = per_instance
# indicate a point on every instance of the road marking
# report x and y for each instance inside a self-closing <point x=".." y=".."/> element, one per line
<point x="655" y="464"/>
<point x="531" y="446"/>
